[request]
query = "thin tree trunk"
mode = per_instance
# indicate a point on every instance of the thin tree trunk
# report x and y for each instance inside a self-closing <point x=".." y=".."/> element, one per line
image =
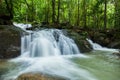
<point x="0" y="2"/>
<point x="32" y="11"/>
<point x="105" y="14"/>
<point x="84" y="12"/>
<point x="27" y="4"/>
<point x="9" y="6"/>
<point x="69" y="12"/>
<point x="46" y="12"/>
<point x="58" y="16"/>
<point x="117" y="14"/>
<point x="53" y="11"/>
<point x="78" y="17"/>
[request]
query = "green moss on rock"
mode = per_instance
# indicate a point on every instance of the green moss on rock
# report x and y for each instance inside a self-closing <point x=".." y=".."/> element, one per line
<point x="80" y="40"/>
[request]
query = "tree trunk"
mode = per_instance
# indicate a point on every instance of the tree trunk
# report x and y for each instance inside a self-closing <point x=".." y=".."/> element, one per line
<point x="32" y="15"/>
<point x="69" y="12"/>
<point x="78" y="17"/>
<point x="105" y="15"/>
<point x="5" y="18"/>
<point x="47" y="12"/>
<point x="53" y="11"/>
<point x="84" y="13"/>
<point x="9" y="7"/>
<point x="117" y="14"/>
<point x="58" y="16"/>
<point x="0" y="2"/>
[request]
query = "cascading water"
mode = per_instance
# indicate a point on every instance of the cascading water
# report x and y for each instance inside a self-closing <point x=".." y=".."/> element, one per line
<point x="50" y="42"/>
<point x="99" y="47"/>
<point x="41" y="52"/>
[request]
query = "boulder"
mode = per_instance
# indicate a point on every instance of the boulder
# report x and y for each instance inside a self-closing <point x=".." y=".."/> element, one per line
<point x="100" y="38"/>
<point x="80" y="40"/>
<point x="115" y="44"/>
<point x="108" y="38"/>
<point x="117" y="54"/>
<point x="37" y="76"/>
<point x="10" y="40"/>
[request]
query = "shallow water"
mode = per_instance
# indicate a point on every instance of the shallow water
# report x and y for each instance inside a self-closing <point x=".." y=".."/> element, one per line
<point x="98" y="65"/>
<point x="102" y="64"/>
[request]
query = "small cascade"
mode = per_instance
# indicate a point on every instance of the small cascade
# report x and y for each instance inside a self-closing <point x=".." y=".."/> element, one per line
<point x="22" y="26"/>
<point x="25" y="42"/>
<point x="48" y="42"/>
<point x="99" y="47"/>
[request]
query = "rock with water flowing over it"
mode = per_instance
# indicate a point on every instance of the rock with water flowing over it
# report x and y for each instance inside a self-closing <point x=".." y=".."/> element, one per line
<point x="37" y="76"/>
<point x="117" y="54"/>
<point x="9" y="42"/>
<point x="108" y="38"/>
<point x="81" y="41"/>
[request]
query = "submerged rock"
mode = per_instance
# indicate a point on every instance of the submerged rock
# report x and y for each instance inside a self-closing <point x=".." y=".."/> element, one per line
<point x="10" y="40"/>
<point x="37" y="76"/>
<point x="117" y="54"/>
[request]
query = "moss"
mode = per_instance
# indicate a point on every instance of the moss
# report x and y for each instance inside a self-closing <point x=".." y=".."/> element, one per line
<point x="80" y="40"/>
<point x="10" y="40"/>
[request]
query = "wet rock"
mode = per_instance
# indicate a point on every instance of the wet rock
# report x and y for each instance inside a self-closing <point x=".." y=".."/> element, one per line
<point x="81" y="41"/>
<point x="37" y="76"/>
<point x="100" y="38"/>
<point x="10" y="40"/>
<point x="115" y="44"/>
<point x="56" y="35"/>
<point x="117" y="54"/>
<point x="108" y="38"/>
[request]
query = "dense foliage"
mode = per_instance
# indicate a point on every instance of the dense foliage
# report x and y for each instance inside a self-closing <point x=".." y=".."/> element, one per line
<point x="97" y="14"/>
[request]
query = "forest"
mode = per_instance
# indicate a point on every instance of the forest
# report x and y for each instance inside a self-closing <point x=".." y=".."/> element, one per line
<point x="96" y="14"/>
<point x="59" y="39"/>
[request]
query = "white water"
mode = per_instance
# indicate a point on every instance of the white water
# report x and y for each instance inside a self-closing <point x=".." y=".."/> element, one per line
<point x="22" y="26"/>
<point x="99" y="47"/>
<point x="50" y="42"/>
<point x="48" y="51"/>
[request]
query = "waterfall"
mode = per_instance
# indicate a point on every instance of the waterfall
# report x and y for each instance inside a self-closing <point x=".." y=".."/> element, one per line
<point x="99" y="47"/>
<point x="22" y="26"/>
<point x="49" y="52"/>
<point x="48" y="42"/>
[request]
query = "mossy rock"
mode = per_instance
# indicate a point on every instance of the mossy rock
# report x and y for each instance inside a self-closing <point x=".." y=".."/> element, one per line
<point x="10" y="41"/>
<point x="80" y="40"/>
<point x="115" y="44"/>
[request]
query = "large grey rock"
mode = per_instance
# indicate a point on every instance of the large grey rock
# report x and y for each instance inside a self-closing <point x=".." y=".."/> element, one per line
<point x="10" y="40"/>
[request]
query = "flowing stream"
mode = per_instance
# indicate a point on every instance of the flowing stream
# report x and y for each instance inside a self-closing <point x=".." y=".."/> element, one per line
<point x="99" y="47"/>
<point x="49" y="51"/>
